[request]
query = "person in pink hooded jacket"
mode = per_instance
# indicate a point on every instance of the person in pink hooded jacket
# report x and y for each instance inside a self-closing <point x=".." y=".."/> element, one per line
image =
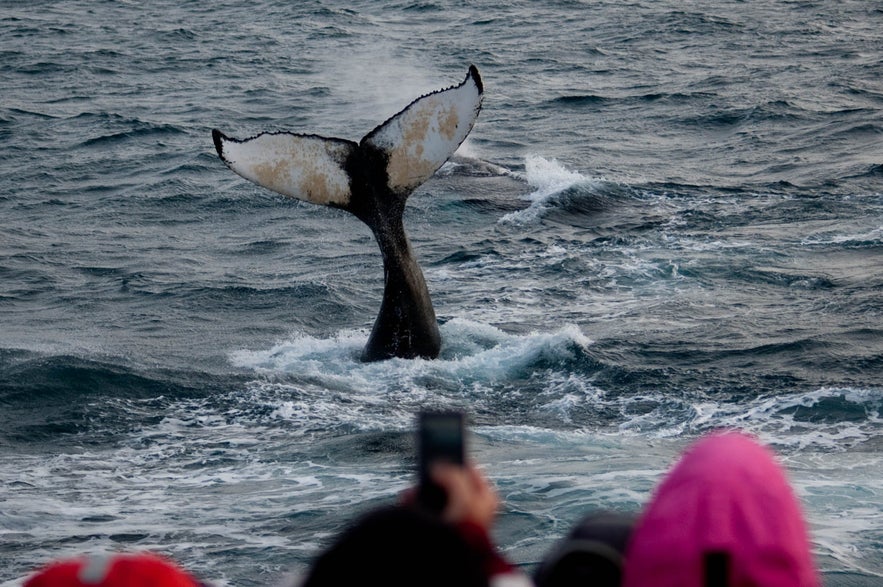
<point x="725" y="516"/>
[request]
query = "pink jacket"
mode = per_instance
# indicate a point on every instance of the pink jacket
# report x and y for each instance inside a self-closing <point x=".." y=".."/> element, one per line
<point x="728" y="497"/>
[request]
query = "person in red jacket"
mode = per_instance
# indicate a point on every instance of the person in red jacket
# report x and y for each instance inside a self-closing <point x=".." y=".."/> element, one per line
<point x="724" y="516"/>
<point x="404" y="545"/>
<point x="116" y="570"/>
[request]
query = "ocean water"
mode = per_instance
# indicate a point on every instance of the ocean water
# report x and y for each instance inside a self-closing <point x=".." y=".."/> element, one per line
<point x="668" y="219"/>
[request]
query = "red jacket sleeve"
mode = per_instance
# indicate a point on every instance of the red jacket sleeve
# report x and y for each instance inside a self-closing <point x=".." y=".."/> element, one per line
<point x="478" y="539"/>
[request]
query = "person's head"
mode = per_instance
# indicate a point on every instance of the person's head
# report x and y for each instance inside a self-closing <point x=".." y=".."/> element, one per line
<point x="398" y="546"/>
<point x="112" y="570"/>
<point x="725" y="516"/>
<point x="591" y="555"/>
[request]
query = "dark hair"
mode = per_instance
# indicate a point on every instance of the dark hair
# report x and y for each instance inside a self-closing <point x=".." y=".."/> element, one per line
<point x="398" y="546"/>
<point x="592" y="554"/>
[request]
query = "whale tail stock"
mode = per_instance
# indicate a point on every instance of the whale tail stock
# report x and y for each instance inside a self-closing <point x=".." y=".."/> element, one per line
<point x="372" y="179"/>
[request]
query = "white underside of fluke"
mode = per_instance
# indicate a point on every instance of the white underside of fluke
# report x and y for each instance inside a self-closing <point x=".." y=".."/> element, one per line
<point x="306" y="167"/>
<point x="417" y="141"/>
<point x="420" y="138"/>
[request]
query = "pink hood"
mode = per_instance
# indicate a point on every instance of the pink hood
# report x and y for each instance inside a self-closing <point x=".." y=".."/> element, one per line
<point x="726" y="495"/>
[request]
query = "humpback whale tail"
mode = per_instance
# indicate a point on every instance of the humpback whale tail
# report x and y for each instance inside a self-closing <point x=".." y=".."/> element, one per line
<point x="372" y="179"/>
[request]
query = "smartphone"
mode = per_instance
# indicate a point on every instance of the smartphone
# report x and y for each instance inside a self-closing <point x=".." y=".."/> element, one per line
<point x="440" y="439"/>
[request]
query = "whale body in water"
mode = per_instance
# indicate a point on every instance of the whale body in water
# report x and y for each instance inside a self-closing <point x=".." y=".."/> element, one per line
<point x="372" y="179"/>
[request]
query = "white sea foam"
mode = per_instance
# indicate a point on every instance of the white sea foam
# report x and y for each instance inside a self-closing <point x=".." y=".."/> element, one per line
<point x="221" y="469"/>
<point x="771" y="418"/>
<point x="320" y="384"/>
<point x="548" y="178"/>
<point x="470" y="349"/>
<point x="874" y="235"/>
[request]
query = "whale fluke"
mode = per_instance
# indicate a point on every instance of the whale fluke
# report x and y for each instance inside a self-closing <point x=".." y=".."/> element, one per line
<point x="372" y="179"/>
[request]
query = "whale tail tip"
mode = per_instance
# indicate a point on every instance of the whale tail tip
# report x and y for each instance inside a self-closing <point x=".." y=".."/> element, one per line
<point x="218" y="138"/>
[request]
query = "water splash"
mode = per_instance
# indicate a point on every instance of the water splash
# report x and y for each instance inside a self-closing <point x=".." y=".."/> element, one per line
<point x="549" y="178"/>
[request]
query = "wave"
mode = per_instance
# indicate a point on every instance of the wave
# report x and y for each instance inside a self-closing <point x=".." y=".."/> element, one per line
<point x="637" y="97"/>
<point x="557" y="187"/>
<point x="552" y="383"/>
<point x="827" y="420"/>
<point x="471" y="352"/>
<point x="480" y="368"/>
<point x="872" y="238"/>
<point x="50" y="398"/>
<point x="121" y="128"/>
<point x="464" y="162"/>
<point x="579" y="100"/>
<point x="833" y="419"/>
<point x="49" y="390"/>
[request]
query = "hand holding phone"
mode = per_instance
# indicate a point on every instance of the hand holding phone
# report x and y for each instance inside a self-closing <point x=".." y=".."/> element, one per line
<point x="471" y="497"/>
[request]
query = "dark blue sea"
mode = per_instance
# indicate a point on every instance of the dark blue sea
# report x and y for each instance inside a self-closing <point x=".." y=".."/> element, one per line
<point x="667" y="219"/>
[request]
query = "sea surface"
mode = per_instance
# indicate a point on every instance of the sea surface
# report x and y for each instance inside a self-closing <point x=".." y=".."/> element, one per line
<point x="667" y="219"/>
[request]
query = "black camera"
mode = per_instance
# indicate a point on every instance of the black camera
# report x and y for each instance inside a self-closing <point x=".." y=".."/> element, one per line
<point x="440" y="439"/>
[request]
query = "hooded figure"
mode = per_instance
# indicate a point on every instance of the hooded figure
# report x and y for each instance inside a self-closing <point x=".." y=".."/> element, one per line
<point x="725" y="516"/>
